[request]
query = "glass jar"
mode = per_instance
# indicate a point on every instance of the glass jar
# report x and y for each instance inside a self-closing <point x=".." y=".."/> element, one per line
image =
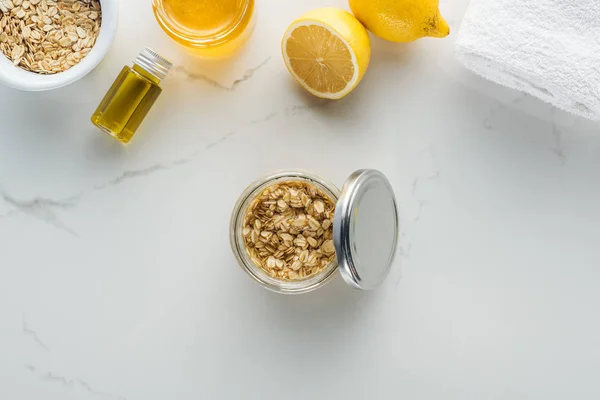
<point x="365" y="230"/>
<point x="131" y="96"/>
<point x="210" y="28"/>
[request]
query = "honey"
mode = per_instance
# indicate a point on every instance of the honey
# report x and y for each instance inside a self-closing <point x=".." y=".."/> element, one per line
<point x="211" y="28"/>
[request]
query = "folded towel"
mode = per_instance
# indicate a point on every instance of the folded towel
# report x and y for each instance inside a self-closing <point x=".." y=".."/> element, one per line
<point x="547" y="48"/>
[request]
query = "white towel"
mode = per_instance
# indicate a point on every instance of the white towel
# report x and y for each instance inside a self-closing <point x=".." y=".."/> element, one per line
<point x="547" y="48"/>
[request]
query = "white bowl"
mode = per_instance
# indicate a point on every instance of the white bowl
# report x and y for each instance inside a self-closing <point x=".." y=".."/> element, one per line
<point x="18" y="78"/>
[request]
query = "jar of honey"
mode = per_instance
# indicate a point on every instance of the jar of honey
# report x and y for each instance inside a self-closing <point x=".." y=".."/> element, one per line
<point x="210" y="28"/>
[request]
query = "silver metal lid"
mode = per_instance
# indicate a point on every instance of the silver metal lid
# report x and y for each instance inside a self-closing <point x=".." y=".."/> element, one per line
<point x="365" y="229"/>
<point x="154" y="63"/>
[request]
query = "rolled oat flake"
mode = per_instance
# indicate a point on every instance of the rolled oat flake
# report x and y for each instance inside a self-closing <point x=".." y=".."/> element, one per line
<point x="365" y="229"/>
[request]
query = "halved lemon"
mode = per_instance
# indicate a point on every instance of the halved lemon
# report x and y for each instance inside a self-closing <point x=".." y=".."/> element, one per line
<point x="327" y="51"/>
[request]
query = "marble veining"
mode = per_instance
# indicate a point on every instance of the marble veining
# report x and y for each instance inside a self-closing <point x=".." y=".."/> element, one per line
<point x="117" y="280"/>
<point x="248" y="74"/>
<point x="70" y="383"/>
<point x="45" y="209"/>
<point x="33" y="334"/>
<point x="558" y="148"/>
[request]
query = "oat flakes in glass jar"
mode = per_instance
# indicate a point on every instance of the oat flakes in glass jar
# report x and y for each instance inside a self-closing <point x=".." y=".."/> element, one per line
<point x="291" y="231"/>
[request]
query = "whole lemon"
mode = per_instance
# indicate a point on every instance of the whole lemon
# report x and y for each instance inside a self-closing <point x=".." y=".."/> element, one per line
<point x="401" y="20"/>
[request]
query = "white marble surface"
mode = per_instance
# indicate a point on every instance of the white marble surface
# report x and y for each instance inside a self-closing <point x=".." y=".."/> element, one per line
<point x="117" y="280"/>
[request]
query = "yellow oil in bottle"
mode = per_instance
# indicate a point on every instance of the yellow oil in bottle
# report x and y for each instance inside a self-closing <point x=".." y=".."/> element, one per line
<point x="131" y="96"/>
<point x="212" y="28"/>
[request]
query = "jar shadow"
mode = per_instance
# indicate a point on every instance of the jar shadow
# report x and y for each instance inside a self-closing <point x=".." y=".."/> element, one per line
<point x="320" y="315"/>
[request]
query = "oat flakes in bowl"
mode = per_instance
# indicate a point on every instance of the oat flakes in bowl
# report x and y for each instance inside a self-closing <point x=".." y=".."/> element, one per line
<point x="47" y="36"/>
<point x="46" y="44"/>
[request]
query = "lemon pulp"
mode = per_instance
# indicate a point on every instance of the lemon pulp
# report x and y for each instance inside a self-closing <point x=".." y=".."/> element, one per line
<point x="320" y="58"/>
<point x="327" y="51"/>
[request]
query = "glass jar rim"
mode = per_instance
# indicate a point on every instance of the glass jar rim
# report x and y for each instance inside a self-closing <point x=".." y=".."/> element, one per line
<point x="194" y="39"/>
<point x="237" y="240"/>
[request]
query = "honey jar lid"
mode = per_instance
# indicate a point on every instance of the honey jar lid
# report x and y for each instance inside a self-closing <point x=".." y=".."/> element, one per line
<point x="365" y="229"/>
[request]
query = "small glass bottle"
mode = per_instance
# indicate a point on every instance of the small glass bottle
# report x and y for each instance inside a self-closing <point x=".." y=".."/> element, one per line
<point x="131" y="96"/>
